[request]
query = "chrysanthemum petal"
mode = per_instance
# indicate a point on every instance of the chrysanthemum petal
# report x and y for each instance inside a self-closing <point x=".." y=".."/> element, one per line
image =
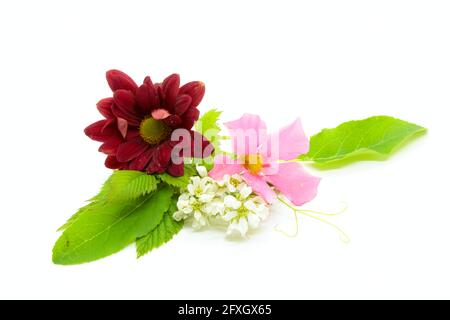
<point x="119" y="113"/>
<point x="173" y="121"/>
<point x="146" y="98"/>
<point x="295" y="183"/>
<point x="110" y="146"/>
<point x="112" y="163"/>
<point x="170" y="88"/>
<point x="95" y="131"/>
<point x="161" y="159"/>
<point x="132" y="133"/>
<point x="194" y="89"/>
<point x="130" y="150"/>
<point x="154" y="97"/>
<point x="104" y="107"/>
<point x="182" y="104"/>
<point x="176" y="170"/>
<point x="126" y="101"/>
<point x="189" y="117"/>
<point x="141" y="162"/>
<point x="119" y="80"/>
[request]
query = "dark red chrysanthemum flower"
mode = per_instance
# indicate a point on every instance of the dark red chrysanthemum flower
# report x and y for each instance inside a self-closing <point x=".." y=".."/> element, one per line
<point x="139" y="121"/>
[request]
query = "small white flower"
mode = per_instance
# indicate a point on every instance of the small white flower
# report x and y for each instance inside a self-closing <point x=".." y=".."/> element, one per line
<point x="231" y="183"/>
<point x="240" y="226"/>
<point x="247" y="216"/>
<point x="202" y="172"/>
<point x="215" y="207"/>
<point x="200" y="220"/>
<point x="230" y="201"/>
<point x="253" y="220"/>
<point x="230" y="215"/>
<point x="244" y="191"/>
<point x="179" y="215"/>
<point x="206" y="197"/>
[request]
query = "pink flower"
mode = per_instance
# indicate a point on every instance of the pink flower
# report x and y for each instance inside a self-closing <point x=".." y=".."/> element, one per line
<point x="258" y="156"/>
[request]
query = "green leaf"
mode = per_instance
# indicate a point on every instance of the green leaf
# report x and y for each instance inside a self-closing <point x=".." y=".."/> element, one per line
<point x="75" y="216"/>
<point x="107" y="227"/>
<point x="179" y="182"/>
<point x="208" y="125"/>
<point x="209" y="121"/>
<point x="164" y="232"/>
<point x="128" y="184"/>
<point x="373" y="138"/>
<point x="104" y="191"/>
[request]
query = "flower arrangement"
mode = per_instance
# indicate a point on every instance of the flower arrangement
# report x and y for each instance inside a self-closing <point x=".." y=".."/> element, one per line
<point x="171" y="170"/>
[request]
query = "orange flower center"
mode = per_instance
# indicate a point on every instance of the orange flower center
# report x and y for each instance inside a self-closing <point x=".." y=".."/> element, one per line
<point x="253" y="163"/>
<point x="154" y="131"/>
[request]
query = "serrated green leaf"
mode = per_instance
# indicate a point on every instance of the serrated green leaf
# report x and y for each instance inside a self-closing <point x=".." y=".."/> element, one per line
<point x="164" y="232"/>
<point x="108" y="227"/>
<point x="129" y="184"/>
<point x="208" y="125"/>
<point x="373" y="138"/>
<point x="208" y="121"/>
<point x="177" y="182"/>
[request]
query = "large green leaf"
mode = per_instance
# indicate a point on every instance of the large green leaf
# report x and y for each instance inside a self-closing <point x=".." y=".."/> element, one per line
<point x="122" y="185"/>
<point x="164" y="232"/>
<point x="373" y="138"/>
<point x="75" y="217"/>
<point x="107" y="227"/>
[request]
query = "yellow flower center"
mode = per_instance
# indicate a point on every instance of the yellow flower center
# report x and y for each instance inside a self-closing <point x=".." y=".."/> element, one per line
<point x="253" y="163"/>
<point x="154" y="131"/>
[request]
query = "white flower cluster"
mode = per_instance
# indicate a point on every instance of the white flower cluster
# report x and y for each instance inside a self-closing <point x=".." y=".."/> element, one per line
<point x="229" y="201"/>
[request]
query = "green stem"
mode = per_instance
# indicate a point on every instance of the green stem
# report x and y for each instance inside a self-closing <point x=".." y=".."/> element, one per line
<point x="309" y="213"/>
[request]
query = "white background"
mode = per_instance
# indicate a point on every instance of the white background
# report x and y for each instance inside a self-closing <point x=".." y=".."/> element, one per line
<point x="325" y="61"/>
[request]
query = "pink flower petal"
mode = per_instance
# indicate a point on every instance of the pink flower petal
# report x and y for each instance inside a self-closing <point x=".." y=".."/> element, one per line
<point x="287" y="144"/>
<point x="248" y="133"/>
<point x="122" y="125"/>
<point x="160" y="114"/>
<point x="223" y="165"/>
<point x="260" y="187"/>
<point x="295" y="183"/>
